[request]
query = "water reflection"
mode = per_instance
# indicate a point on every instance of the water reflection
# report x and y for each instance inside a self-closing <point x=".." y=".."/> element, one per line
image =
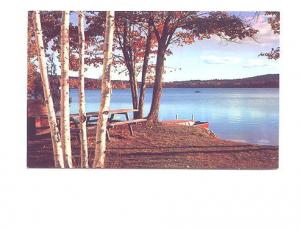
<point x="250" y="115"/>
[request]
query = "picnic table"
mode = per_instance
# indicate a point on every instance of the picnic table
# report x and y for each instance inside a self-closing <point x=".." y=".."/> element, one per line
<point x="112" y="122"/>
<point x="92" y="118"/>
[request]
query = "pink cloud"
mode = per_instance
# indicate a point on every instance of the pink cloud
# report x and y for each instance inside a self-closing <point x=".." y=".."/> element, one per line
<point x="265" y="35"/>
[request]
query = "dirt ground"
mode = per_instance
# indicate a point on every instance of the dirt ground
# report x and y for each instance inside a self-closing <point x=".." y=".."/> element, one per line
<point x="163" y="146"/>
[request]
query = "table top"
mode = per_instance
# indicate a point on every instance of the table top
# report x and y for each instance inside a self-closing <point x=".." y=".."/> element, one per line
<point x="121" y="111"/>
<point x="95" y="114"/>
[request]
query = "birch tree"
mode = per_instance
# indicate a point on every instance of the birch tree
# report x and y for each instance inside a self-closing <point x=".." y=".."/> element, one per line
<point x="82" y="112"/>
<point x="55" y="137"/>
<point x="64" y="99"/>
<point x="105" y="93"/>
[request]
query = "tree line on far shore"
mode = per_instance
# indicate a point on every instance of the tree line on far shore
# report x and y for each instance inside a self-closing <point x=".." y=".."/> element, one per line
<point x="262" y="81"/>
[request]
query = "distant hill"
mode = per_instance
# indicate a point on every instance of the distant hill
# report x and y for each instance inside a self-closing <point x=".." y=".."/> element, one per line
<point x="262" y="81"/>
<point x="90" y="83"/>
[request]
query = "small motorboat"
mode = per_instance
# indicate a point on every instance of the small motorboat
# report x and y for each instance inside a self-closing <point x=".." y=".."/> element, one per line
<point x="187" y="123"/>
<point x="201" y="124"/>
<point x="197" y="91"/>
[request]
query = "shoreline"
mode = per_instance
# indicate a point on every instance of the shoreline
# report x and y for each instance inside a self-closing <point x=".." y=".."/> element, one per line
<point x="161" y="147"/>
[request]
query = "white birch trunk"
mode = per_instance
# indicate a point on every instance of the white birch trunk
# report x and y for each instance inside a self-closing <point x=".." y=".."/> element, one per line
<point x="105" y="93"/>
<point x="55" y="137"/>
<point x="64" y="84"/>
<point x="82" y="112"/>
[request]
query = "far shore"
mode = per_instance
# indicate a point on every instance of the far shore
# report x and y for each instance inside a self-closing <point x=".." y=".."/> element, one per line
<point x="262" y="81"/>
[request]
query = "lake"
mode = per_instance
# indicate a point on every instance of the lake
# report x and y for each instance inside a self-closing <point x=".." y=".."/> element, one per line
<point x="239" y="114"/>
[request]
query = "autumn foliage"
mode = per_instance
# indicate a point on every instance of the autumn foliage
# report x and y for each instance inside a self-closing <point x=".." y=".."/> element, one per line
<point x="142" y="41"/>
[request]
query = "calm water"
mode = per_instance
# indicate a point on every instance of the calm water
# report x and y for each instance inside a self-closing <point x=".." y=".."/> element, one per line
<point x="247" y="115"/>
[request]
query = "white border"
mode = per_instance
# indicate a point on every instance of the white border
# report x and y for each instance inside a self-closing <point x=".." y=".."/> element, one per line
<point x="35" y="198"/>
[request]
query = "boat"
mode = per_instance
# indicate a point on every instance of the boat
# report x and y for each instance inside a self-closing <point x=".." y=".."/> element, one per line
<point x="197" y="91"/>
<point x="201" y="124"/>
<point x="188" y="123"/>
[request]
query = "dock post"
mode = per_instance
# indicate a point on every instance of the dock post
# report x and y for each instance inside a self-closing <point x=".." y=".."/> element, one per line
<point x="176" y="116"/>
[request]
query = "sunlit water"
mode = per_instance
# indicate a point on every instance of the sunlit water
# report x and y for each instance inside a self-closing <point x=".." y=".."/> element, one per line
<point x="239" y="114"/>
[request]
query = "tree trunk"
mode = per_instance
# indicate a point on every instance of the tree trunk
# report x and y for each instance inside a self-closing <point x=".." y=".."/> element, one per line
<point x="55" y="137"/>
<point x="64" y="100"/>
<point x="163" y="41"/>
<point x="131" y="73"/>
<point x="157" y="87"/>
<point x="144" y="72"/>
<point x="129" y="62"/>
<point x="134" y="91"/>
<point x="106" y="87"/>
<point x="82" y="113"/>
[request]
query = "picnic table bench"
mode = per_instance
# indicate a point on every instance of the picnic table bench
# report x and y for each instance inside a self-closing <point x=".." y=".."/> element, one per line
<point x="112" y="122"/>
<point x="111" y="125"/>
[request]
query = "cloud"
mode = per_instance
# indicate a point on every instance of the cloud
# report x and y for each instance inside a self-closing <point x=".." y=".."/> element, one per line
<point x="252" y="63"/>
<point x="220" y="59"/>
<point x="264" y="37"/>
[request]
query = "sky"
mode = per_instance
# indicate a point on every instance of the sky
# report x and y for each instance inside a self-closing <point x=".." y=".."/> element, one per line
<point x="216" y="58"/>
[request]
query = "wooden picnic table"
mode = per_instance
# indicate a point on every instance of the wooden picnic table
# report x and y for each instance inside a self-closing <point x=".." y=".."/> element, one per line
<point x="112" y="123"/>
<point x="74" y="118"/>
<point x="112" y="113"/>
<point x="90" y="114"/>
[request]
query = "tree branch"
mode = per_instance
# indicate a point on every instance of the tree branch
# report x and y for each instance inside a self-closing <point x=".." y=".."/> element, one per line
<point x="151" y="21"/>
